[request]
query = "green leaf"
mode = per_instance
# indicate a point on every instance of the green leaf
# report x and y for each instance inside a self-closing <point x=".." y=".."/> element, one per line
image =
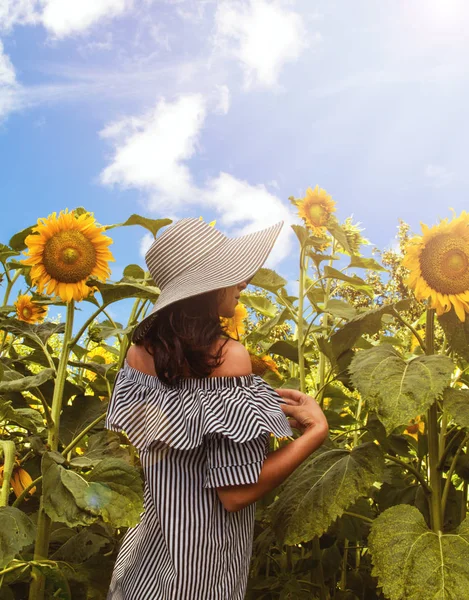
<point x="16" y="532"/>
<point x="264" y="330"/>
<point x="368" y="322"/>
<point x="80" y="547"/>
<point x="27" y="418"/>
<point x="103" y="444"/>
<point x="17" y="241"/>
<point x="338" y="233"/>
<point x="457" y="333"/>
<point x="284" y="348"/>
<point x="6" y="253"/>
<point x="119" y="488"/>
<point x="113" y="292"/>
<point x="80" y="414"/>
<point x="340" y="309"/>
<point x="322" y="488"/>
<point x="412" y="562"/>
<point x="134" y="272"/>
<point x="26" y="383"/>
<point x="353" y="281"/>
<point x="153" y="225"/>
<point x="260" y="304"/>
<point x="456" y="402"/>
<point x="112" y="492"/>
<point x="268" y="280"/>
<point x="399" y="390"/>
<point x="305" y="238"/>
<point x="360" y="262"/>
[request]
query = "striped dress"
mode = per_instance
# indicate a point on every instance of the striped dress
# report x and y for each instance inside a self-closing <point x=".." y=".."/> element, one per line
<point x="192" y="438"/>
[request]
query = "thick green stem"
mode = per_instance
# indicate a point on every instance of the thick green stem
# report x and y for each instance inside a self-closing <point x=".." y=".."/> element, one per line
<point x="433" y="437"/>
<point x="82" y="434"/>
<point x="126" y="341"/>
<point x="343" y="575"/>
<point x="9" y="453"/>
<point x="41" y="548"/>
<point x="301" y="360"/>
<point x="325" y="327"/>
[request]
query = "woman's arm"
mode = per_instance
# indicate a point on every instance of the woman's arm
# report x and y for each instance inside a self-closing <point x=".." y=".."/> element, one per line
<point x="277" y="467"/>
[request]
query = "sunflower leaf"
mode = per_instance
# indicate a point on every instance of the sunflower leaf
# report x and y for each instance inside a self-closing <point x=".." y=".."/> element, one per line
<point x="399" y="390"/>
<point x="360" y="262"/>
<point x="26" y="383"/>
<point x="338" y="233"/>
<point x="268" y="280"/>
<point x="16" y="532"/>
<point x="456" y="402"/>
<point x="322" y="488"/>
<point x="284" y="348"/>
<point x="412" y="562"/>
<point x="134" y="272"/>
<point x="353" y="281"/>
<point x="6" y="252"/>
<point x="113" y="292"/>
<point x="153" y="225"/>
<point x="260" y="304"/>
<point x="17" y="241"/>
<point x="456" y="333"/>
<point x="111" y="492"/>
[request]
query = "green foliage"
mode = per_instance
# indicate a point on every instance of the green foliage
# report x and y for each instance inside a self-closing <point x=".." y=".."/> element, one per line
<point x="399" y="390"/>
<point x="412" y="562"/>
<point x="322" y="488"/>
<point x="112" y="491"/>
<point x="16" y="532"/>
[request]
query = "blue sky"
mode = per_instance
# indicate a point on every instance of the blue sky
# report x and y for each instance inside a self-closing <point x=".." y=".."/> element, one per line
<point x="226" y="108"/>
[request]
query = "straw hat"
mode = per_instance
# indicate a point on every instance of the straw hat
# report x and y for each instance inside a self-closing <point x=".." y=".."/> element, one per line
<point x="191" y="257"/>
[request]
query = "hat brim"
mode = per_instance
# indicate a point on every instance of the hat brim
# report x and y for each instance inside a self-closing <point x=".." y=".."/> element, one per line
<point x="230" y="263"/>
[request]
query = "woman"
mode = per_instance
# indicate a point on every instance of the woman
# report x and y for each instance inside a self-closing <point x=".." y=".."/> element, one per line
<point x="188" y="401"/>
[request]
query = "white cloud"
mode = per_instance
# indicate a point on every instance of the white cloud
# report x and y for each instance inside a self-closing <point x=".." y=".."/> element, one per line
<point x="151" y="153"/>
<point x="224" y="99"/>
<point x="66" y="17"/>
<point x="145" y="243"/>
<point x="438" y="175"/>
<point x="21" y="12"/>
<point x="9" y="87"/>
<point x="60" y="17"/>
<point x="262" y="35"/>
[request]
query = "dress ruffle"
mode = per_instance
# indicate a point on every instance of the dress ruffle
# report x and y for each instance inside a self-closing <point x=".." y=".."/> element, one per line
<point x="180" y="416"/>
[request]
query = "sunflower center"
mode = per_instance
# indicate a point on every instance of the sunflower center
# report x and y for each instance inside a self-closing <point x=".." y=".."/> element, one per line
<point x="318" y="214"/>
<point x="445" y="263"/>
<point x="27" y="312"/>
<point x="69" y="256"/>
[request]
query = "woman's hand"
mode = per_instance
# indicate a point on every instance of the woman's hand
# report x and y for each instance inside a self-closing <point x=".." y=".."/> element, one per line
<point x="304" y="411"/>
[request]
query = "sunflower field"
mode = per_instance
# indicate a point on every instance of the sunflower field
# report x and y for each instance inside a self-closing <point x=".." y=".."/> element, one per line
<point x="382" y="342"/>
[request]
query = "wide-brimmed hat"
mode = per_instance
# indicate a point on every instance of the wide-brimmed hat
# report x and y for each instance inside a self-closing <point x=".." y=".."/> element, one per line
<point x="191" y="257"/>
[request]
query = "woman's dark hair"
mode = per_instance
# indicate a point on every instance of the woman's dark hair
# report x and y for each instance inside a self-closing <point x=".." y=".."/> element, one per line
<point x="182" y="336"/>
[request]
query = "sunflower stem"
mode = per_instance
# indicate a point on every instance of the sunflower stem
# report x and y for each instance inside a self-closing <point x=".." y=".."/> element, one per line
<point x="449" y="475"/>
<point x="9" y="452"/>
<point x="433" y="436"/>
<point x="325" y="325"/>
<point x="41" y="548"/>
<point x="301" y="294"/>
<point x="11" y="282"/>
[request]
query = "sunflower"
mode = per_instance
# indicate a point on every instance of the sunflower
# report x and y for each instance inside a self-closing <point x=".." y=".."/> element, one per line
<point x="438" y="262"/>
<point x="64" y="251"/>
<point x="108" y="359"/>
<point x="415" y="427"/>
<point x="234" y="326"/>
<point x="29" y="311"/>
<point x="262" y="363"/>
<point x="20" y="479"/>
<point x="315" y="209"/>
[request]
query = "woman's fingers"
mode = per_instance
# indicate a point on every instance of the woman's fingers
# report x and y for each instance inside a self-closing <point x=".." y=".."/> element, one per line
<point x="288" y="394"/>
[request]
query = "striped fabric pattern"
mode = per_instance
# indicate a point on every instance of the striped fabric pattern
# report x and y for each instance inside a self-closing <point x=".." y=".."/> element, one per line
<point x="193" y="437"/>
<point x="191" y="258"/>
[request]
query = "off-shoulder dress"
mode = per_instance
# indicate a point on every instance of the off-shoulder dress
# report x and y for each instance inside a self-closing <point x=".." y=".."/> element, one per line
<point x="192" y="438"/>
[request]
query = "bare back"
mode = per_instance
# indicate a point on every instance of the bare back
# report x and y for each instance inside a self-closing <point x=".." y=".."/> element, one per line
<point x="236" y="360"/>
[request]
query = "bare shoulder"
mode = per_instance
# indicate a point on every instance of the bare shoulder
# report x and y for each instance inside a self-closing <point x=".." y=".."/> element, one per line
<point x="139" y="358"/>
<point x="236" y="360"/>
